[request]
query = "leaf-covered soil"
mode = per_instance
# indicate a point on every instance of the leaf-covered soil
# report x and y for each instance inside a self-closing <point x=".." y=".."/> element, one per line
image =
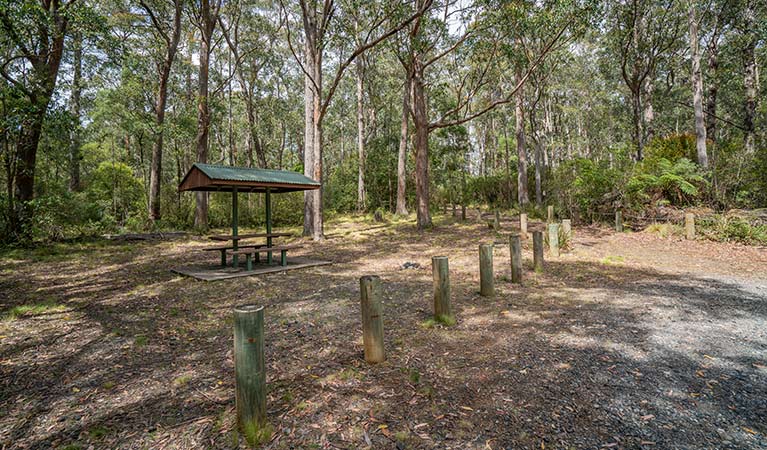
<point x="626" y="341"/>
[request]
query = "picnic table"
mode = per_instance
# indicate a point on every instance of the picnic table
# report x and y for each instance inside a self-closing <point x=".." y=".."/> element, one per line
<point x="236" y="248"/>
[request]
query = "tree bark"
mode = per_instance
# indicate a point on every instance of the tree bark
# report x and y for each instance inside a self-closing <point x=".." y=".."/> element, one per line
<point x="74" y="108"/>
<point x="421" y="123"/>
<point x="44" y="60"/>
<point x="402" y="156"/>
<point x="361" y="194"/>
<point x="749" y="76"/>
<point x="519" y="115"/>
<point x="697" y="89"/>
<point x="206" y="18"/>
<point x="171" y="46"/>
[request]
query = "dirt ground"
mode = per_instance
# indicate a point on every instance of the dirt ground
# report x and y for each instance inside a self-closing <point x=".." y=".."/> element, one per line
<point x="626" y="341"/>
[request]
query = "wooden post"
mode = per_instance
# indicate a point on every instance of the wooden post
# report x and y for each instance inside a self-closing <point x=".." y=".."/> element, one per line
<point x="250" y="370"/>
<point x="497" y="220"/>
<point x="689" y="226"/>
<point x="463" y="212"/>
<point x="235" y="258"/>
<point x="538" y="251"/>
<point x="443" y="311"/>
<point x="372" y="318"/>
<point x="523" y="225"/>
<point x="454" y="211"/>
<point x="567" y="229"/>
<point x="554" y="239"/>
<point x="618" y="221"/>
<point x="515" y="249"/>
<point x="268" y="198"/>
<point x="550" y="214"/>
<point x="486" y="288"/>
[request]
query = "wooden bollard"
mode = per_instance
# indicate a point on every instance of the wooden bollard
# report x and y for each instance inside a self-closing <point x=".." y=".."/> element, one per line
<point x="523" y="225"/>
<point x="554" y="239"/>
<point x="443" y="311"/>
<point x="515" y="250"/>
<point x="372" y="318"/>
<point x="538" y="251"/>
<point x="486" y="286"/>
<point x="618" y="221"/>
<point x="567" y="229"/>
<point x="250" y="372"/>
<point x="463" y="212"/>
<point x="550" y="214"/>
<point x="689" y="226"/>
<point x="497" y="220"/>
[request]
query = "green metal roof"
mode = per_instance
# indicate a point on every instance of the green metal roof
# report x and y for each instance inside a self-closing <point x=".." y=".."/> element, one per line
<point x="225" y="178"/>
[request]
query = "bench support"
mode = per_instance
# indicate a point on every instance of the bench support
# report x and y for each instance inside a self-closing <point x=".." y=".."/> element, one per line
<point x="223" y="257"/>
<point x="249" y="261"/>
<point x="283" y="258"/>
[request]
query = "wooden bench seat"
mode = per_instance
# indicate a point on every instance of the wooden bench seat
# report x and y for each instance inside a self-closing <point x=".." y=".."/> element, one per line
<point x="249" y="252"/>
<point x="225" y="248"/>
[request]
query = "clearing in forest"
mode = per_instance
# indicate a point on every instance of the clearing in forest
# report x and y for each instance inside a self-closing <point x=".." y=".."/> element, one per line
<point x="628" y="340"/>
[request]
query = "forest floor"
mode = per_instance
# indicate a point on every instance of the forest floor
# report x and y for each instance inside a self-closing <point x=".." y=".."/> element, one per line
<point x="628" y="340"/>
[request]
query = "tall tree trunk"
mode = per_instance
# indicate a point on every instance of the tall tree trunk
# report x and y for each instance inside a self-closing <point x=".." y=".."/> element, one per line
<point x="39" y="82"/>
<point x="697" y="89"/>
<point x="155" y="173"/>
<point x="421" y="123"/>
<point x="713" y="91"/>
<point x="313" y="225"/>
<point x="361" y="194"/>
<point x="74" y="108"/>
<point x="538" y="173"/>
<point x="749" y="75"/>
<point x="519" y="116"/>
<point x="402" y="156"/>
<point x="309" y="94"/>
<point x="638" y="128"/>
<point x="206" y="17"/>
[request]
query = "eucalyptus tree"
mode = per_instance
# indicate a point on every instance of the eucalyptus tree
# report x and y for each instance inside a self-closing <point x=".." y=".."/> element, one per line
<point x="327" y="23"/>
<point x="204" y="14"/>
<point x="697" y="84"/>
<point x="163" y="18"/>
<point x="32" y="41"/>
<point x="471" y="58"/>
<point x="643" y="33"/>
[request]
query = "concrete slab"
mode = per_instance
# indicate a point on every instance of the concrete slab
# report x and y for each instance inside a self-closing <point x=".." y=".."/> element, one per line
<point x="210" y="272"/>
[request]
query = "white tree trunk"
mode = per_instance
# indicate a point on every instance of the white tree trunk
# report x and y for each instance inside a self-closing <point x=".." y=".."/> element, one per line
<point x="697" y="89"/>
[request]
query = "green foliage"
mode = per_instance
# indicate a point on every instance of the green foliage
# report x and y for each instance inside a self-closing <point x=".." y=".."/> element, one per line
<point x="586" y="186"/>
<point x="725" y="228"/>
<point x="672" y="147"/>
<point x="660" y="180"/>
<point x="115" y="191"/>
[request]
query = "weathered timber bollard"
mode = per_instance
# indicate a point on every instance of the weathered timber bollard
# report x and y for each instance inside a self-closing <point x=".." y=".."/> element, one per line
<point x="554" y="239"/>
<point x="567" y="229"/>
<point x="689" y="226"/>
<point x="250" y="372"/>
<point x="497" y="220"/>
<point x="523" y="225"/>
<point x="515" y="250"/>
<point x="550" y="214"/>
<point x="486" y="286"/>
<point x="463" y="212"/>
<point x="538" y="251"/>
<point x="618" y="221"/>
<point x="443" y="311"/>
<point x="372" y="318"/>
